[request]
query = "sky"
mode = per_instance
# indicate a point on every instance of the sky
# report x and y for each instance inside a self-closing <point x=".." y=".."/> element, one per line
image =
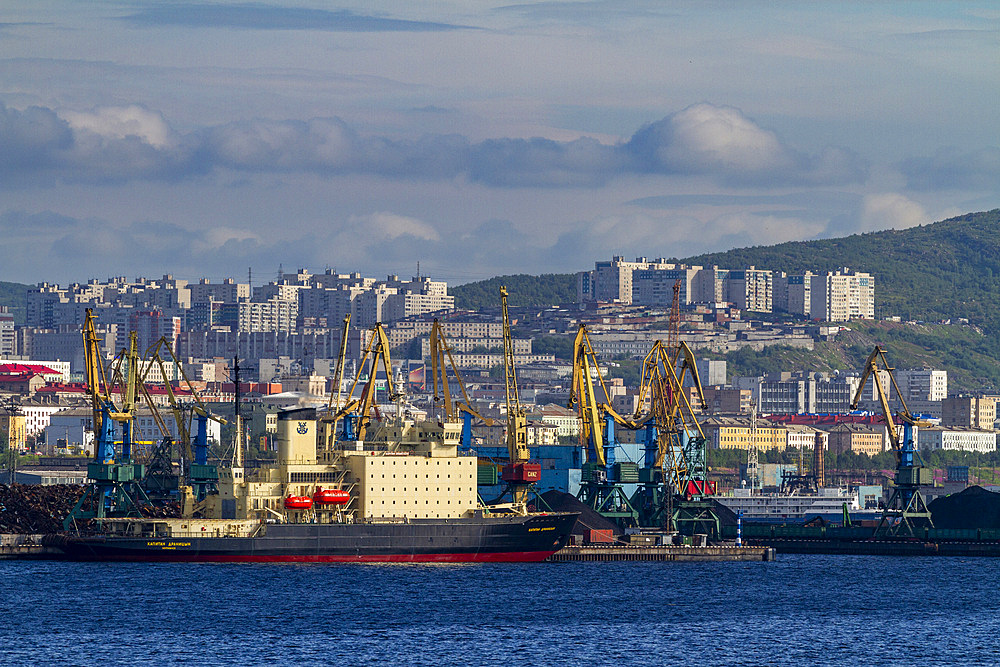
<point x="473" y="139"/>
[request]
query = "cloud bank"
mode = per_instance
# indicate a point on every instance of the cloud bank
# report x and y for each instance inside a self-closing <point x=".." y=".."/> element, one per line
<point x="114" y="144"/>
<point x="255" y="16"/>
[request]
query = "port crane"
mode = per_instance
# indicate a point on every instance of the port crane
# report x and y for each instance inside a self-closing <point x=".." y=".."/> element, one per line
<point x="357" y="413"/>
<point x="675" y="490"/>
<point x="519" y="474"/>
<point x="440" y="350"/>
<point x="200" y="477"/>
<point x="906" y="510"/>
<point x="329" y="421"/>
<point x="114" y="490"/>
<point x="601" y="477"/>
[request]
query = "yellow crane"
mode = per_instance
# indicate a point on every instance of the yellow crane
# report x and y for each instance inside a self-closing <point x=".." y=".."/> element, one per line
<point x="519" y="473"/>
<point x="357" y="413"/>
<point x="600" y="487"/>
<point x="441" y="350"/>
<point x="114" y="488"/>
<point x="906" y="510"/>
<point x="333" y="406"/>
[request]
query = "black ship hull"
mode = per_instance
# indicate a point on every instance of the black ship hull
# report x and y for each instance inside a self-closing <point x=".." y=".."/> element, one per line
<point x="491" y="539"/>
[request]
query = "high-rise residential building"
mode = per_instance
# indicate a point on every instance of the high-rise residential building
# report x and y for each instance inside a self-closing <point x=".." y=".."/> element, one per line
<point x="792" y="293"/>
<point x="750" y="289"/>
<point x="228" y="291"/>
<point x="842" y="295"/>
<point x="612" y="281"/>
<point x="8" y="341"/>
<point x="922" y="384"/>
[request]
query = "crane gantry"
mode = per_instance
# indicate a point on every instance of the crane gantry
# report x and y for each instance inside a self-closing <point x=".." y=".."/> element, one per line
<point x="906" y="509"/>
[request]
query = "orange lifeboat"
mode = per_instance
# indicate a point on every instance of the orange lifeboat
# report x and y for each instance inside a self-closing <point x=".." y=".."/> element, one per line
<point x="298" y="502"/>
<point x="331" y="497"/>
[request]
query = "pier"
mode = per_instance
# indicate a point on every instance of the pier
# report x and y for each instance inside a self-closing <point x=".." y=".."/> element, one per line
<point x="620" y="552"/>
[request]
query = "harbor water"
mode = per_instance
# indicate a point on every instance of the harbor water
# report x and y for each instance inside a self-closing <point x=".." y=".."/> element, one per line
<point x="797" y="610"/>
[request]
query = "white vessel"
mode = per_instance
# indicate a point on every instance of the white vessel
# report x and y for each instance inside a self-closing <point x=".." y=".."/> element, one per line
<point x="782" y="507"/>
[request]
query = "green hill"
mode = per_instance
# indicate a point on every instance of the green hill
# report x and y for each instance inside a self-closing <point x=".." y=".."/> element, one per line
<point x="523" y="290"/>
<point x="947" y="269"/>
<point x="13" y="296"/>
<point x="941" y="271"/>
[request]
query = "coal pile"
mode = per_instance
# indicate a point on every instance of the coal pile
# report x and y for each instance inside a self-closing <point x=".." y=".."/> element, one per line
<point x="27" y="508"/>
<point x="972" y="509"/>
<point x="727" y="517"/>
<point x="588" y="520"/>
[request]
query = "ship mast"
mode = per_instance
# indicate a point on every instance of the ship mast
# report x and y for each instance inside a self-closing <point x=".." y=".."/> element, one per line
<point x="238" y="438"/>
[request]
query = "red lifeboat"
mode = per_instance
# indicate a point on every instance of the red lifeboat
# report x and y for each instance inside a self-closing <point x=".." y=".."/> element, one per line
<point x="331" y="497"/>
<point x="298" y="502"/>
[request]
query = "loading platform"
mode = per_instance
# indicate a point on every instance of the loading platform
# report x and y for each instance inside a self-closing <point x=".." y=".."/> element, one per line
<point x="622" y="552"/>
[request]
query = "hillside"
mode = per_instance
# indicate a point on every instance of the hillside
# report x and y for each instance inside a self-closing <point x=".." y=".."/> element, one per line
<point x="944" y="270"/>
<point x="970" y="358"/>
<point x="947" y="269"/>
<point x="523" y="290"/>
<point x="13" y="296"/>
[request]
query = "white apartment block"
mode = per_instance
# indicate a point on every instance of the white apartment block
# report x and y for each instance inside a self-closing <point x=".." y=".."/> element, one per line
<point x="37" y="416"/>
<point x="922" y="384"/>
<point x="842" y="295"/>
<point x="489" y="360"/>
<point x="960" y="439"/>
<point x="836" y="296"/>
<point x="401" y="333"/>
<point x="804" y="437"/>
<point x="467" y="345"/>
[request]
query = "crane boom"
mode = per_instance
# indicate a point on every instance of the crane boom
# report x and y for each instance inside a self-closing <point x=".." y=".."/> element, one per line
<point x="358" y="411"/>
<point x="519" y="474"/>
<point x="517" y="423"/>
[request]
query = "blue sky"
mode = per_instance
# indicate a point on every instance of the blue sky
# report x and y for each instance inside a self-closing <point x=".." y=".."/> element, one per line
<point x="478" y="138"/>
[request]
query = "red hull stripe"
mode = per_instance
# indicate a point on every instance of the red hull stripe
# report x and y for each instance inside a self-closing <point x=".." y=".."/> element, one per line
<point x="501" y="557"/>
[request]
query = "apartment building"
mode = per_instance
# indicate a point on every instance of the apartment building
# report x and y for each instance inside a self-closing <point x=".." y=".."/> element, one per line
<point x="742" y="433"/>
<point x="867" y="439"/>
<point x="978" y="412"/>
<point x="842" y="295"/>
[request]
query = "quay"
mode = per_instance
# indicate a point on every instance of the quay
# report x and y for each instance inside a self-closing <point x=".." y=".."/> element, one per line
<point x="619" y="552"/>
<point x="17" y="546"/>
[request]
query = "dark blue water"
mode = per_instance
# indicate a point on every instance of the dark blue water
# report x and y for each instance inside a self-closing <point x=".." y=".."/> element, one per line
<point x="800" y="610"/>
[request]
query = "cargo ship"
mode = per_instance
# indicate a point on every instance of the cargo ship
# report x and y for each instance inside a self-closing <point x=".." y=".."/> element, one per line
<point x="404" y="495"/>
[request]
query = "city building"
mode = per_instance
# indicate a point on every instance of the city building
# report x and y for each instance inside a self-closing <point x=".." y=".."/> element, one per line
<point x="961" y="439"/>
<point x="842" y="295"/>
<point x="743" y="433"/>
<point x="869" y="439"/>
<point x="977" y="412"/>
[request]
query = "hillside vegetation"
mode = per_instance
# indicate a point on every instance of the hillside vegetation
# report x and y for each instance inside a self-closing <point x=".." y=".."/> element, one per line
<point x="970" y="358"/>
<point x="14" y="295"/>
<point x="523" y="290"/>
<point x="944" y="270"/>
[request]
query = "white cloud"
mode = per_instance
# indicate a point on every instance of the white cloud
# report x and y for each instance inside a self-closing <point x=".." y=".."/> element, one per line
<point x="391" y="226"/>
<point x="891" y="210"/>
<point x="122" y="122"/>
<point x="706" y="137"/>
